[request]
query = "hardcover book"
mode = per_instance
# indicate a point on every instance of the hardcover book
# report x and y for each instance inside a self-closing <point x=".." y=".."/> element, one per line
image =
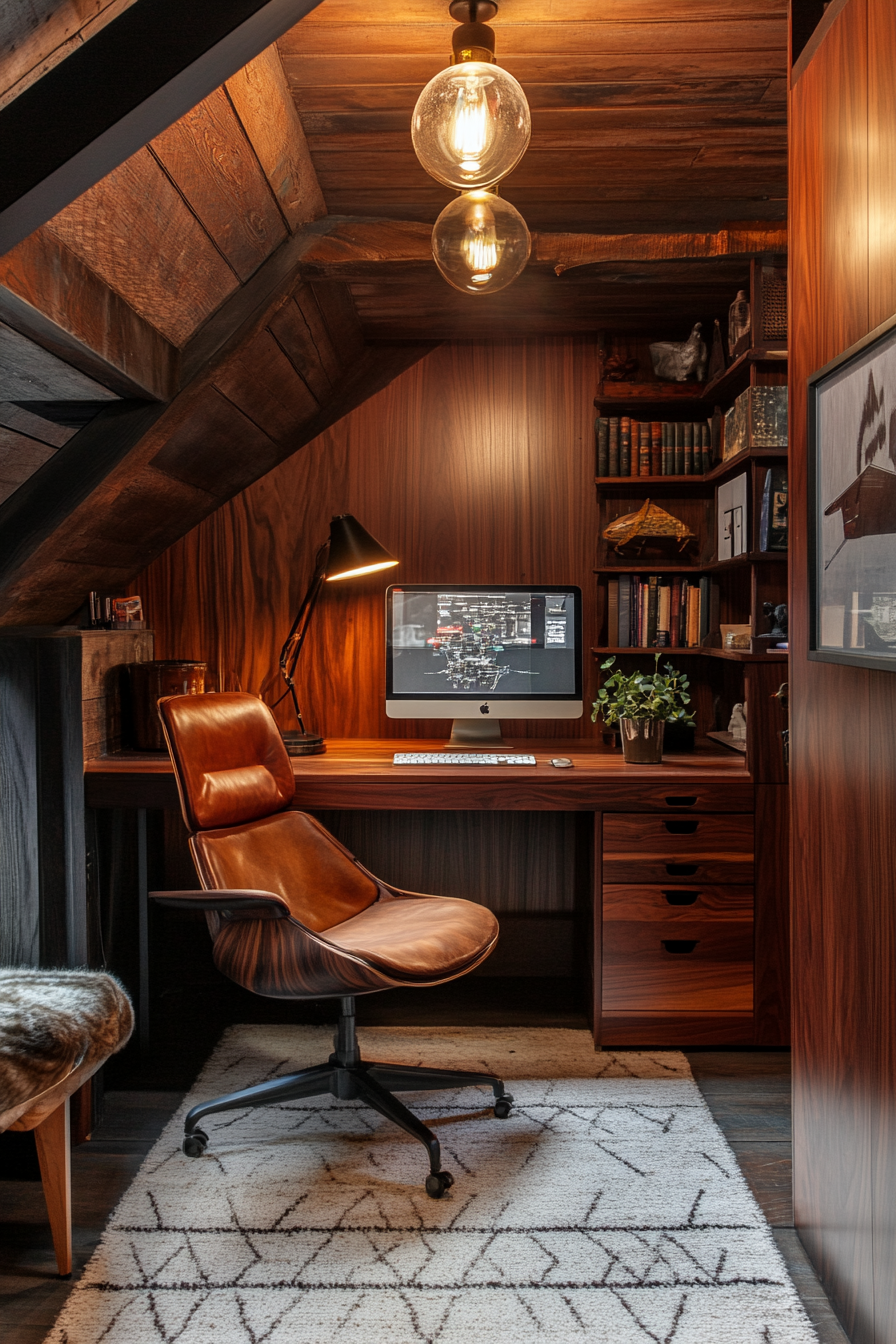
<point x="601" y="429"/>
<point x="773" y="515"/>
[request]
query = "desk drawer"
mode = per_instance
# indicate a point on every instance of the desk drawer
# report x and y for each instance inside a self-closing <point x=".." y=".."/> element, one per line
<point x="640" y="834"/>
<point x="686" y="870"/>
<point x="674" y="904"/>
<point x="704" y="967"/>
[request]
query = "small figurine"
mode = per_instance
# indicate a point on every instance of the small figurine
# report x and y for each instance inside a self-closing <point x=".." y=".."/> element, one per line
<point x="737" y="724"/>
<point x="778" y="617"/>
<point x="739" y="322"/>
<point x="676" y="361"/>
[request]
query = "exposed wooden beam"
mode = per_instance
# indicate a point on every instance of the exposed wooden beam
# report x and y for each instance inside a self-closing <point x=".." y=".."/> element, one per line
<point x="137" y="76"/>
<point x="344" y="244"/>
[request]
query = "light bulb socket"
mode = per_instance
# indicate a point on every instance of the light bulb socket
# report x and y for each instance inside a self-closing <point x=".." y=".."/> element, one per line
<point x="473" y="42"/>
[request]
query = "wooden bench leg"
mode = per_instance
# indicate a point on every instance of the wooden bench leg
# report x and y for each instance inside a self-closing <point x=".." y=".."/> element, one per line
<point x="54" y="1154"/>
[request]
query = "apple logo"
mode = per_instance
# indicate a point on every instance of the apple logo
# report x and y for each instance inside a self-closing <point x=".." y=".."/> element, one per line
<point x="483" y="709"/>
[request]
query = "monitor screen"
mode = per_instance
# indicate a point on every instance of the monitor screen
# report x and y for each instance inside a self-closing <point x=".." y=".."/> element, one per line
<point x="460" y="643"/>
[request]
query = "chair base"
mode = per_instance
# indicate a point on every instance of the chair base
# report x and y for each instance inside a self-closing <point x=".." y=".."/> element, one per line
<point x="347" y="1076"/>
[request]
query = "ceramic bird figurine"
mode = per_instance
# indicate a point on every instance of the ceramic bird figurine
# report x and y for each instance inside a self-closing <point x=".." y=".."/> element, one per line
<point x="677" y="361"/>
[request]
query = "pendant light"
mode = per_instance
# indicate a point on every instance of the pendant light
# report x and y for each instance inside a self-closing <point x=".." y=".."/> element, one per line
<point x="480" y="243"/>
<point x="471" y="124"/>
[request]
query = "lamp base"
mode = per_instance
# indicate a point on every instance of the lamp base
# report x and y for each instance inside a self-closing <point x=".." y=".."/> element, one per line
<point x="303" y="744"/>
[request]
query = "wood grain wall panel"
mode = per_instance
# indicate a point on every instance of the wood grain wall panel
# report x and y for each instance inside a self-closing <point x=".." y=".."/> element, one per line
<point x="213" y="166"/>
<point x="261" y="98"/>
<point x="136" y="211"/>
<point x="473" y="466"/>
<point x="842" y="279"/>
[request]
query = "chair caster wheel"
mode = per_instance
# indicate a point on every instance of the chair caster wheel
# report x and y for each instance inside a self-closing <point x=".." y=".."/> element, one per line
<point x="502" y="1106"/>
<point x="195" y="1144"/>
<point x="437" y="1182"/>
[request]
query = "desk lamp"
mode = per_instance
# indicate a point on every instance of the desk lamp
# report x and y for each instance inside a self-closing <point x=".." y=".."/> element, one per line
<point x="348" y="552"/>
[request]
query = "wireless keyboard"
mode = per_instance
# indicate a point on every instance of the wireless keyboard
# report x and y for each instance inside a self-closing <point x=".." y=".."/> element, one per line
<point x="459" y="758"/>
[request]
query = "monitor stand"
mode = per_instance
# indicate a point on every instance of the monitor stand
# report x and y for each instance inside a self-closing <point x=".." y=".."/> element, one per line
<point x="476" y="735"/>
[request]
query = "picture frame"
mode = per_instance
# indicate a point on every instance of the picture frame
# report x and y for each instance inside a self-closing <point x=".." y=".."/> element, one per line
<point x="852" y="505"/>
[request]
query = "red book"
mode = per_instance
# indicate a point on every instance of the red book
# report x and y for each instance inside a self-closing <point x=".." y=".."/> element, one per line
<point x="656" y="448"/>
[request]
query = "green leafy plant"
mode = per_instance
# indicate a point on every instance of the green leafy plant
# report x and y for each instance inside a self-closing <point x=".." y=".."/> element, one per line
<point x="639" y="695"/>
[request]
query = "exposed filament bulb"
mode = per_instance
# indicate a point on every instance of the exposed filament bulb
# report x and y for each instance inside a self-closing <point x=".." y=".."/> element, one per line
<point x="472" y="124"/>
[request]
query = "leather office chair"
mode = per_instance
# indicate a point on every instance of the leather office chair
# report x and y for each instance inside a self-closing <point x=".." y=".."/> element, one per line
<point x="294" y="915"/>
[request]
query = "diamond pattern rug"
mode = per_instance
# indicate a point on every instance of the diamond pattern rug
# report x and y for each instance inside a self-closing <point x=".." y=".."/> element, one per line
<point x="607" y="1209"/>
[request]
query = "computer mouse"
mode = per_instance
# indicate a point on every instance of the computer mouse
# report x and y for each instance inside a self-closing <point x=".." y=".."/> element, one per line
<point x="562" y="761"/>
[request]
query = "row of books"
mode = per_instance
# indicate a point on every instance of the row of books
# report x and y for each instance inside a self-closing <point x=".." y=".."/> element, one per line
<point x="656" y="612"/>
<point x="627" y="447"/>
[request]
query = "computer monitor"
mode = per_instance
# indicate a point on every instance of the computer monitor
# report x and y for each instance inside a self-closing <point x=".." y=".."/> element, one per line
<point x="478" y="652"/>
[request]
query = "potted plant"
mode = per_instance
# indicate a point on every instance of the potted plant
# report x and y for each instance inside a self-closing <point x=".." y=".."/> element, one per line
<point x="642" y="704"/>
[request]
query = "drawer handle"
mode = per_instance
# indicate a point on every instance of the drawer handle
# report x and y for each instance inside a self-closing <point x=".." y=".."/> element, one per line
<point x="681" y="869"/>
<point x="680" y="945"/>
<point x="686" y="800"/>
<point x="681" y="827"/>
<point x="681" y="897"/>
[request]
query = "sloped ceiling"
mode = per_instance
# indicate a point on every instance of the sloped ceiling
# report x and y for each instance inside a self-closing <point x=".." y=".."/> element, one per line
<point x="262" y="265"/>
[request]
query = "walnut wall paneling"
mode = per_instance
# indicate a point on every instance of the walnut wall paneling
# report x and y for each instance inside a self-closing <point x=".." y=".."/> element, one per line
<point x="474" y="465"/>
<point x="843" y="283"/>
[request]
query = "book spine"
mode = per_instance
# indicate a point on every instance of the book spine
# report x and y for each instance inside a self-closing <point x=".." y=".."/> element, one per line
<point x="624" y="628"/>
<point x="652" y="610"/>
<point x="642" y="624"/>
<point x="644" y="448"/>
<point x="613" y="450"/>
<point x="663" y="618"/>
<point x="679" y="448"/>
<point x="764" y="511"/>
<point x="706" y="447"/>
<point x="688" y="454"/>
<point x="693" y="616"/>
<point x="703" y="630"/>
<point x="601" y="428"/>
<point x="636" y="611"/>
<point x="675" y="615"/>
<point x="667" y="470"/>
<point x="625" y="446"/>
<point x="656" y="448"/>
<point x="613" y="611"/>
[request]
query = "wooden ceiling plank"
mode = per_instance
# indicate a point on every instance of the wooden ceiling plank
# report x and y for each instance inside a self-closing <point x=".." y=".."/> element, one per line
<point x="337" y="307"/>
<point x="326" y="351"/>
<point x="136" y="211"/>
<point x="581" y="68"/>
<point x="736" y="93"/>
<point x="76" y="124"/>
<point x="534" y="11"/>
<point x="267" y="111"/>
<point x="51" y="296"/>
<point x="212" y="165"/>
<point x="290" y="330"/>
<point x="34" y="426"/>
<point x="30" y="373"/>
<point x="694" y="38"/>
<point x="262" y="382"/>
<point x="675" y="142"/>
<point x="216" y="447"/>
<point x="679" y="121"/>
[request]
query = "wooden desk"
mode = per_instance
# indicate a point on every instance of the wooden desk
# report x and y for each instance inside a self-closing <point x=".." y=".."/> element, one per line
<point x="359" y="774"/>
<point x="669" y="917"/>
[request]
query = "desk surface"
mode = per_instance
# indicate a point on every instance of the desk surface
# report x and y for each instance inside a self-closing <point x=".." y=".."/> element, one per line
<point x="359" y="774"/>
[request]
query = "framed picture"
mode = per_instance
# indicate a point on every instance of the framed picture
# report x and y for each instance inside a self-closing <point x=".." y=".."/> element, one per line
<point x="852" y="505"/>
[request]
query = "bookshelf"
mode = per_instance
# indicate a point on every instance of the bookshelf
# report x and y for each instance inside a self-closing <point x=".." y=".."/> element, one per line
<point x="738" y="587"/>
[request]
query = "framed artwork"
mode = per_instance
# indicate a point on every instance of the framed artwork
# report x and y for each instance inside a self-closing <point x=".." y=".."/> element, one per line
<point x="852" y="505"/>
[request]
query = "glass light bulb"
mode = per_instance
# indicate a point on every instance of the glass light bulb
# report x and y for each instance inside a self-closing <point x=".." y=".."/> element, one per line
<point x="480" y="243"/>
<point x="471" y="125"/>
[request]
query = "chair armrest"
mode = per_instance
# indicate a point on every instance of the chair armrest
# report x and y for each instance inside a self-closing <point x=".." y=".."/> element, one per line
<point x="239" y="904"/>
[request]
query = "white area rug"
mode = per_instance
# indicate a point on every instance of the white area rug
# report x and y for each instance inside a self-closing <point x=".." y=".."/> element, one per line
<point x="608" y="1208"/>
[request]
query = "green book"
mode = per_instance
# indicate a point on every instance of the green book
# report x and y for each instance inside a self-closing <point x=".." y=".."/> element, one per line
<point x="613" y="449"/>
<point x="705" y="446"/>
<point x="679" y="448"/>
<point x="688" y="454"/>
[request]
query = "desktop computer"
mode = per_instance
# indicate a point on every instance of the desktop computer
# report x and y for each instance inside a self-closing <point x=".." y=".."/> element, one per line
<point x="480" y="653"/>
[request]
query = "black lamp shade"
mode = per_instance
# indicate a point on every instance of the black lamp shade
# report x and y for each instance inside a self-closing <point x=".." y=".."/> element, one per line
<point x="353" y="550"/>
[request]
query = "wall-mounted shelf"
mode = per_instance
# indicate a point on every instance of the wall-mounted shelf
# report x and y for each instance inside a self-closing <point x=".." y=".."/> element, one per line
<point x="737" y="376"/>
<point x="731" y="655"/>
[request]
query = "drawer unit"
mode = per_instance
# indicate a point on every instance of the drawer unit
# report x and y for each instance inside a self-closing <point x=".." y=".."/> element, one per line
<point x="704" y="848"/>
<point x="675" y="905"/>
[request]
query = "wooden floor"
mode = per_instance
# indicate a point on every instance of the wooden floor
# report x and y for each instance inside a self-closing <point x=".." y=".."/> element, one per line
<point x="747" y="1091"/>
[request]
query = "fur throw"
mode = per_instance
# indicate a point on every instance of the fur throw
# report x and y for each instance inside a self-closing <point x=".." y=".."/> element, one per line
<point x="53" y="1021"/>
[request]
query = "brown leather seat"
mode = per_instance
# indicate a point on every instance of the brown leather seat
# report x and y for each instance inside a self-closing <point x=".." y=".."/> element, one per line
<point x="294" y="915"/>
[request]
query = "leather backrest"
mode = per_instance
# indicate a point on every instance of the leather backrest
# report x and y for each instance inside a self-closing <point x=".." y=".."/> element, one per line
<point x="229" y="759"/>
<point x="290" y="854"/>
